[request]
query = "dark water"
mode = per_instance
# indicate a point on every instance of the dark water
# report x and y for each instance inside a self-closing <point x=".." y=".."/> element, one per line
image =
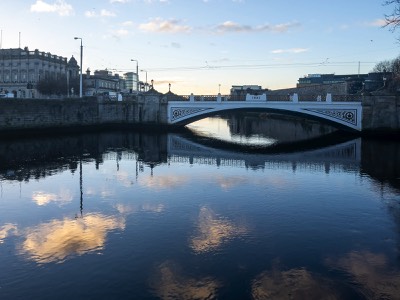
<point x="167" y="216"/>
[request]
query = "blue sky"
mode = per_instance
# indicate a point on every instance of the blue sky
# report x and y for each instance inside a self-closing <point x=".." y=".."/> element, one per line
<point x="200" y="46"/>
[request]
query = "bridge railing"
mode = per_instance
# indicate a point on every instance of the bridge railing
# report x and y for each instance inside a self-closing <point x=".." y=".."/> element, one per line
<point x="273" y="97"/>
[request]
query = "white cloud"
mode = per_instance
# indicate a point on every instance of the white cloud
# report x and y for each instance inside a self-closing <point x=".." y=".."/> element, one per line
<point x="60" y="7"/>
<point x="167" y="26"/>
<point x="127" y="23"/>
<point x="378" y="23"/>
<point x="119" y="1"/>
<point x="102" y="13"/>
<point x="230" y="26"/>
<point x="155" y="1"/>
<point x="292" y="50"/>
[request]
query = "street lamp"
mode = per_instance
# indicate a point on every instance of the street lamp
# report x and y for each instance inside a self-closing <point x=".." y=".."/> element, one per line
<point x="146" y="85"/>
<point x="137" y="75"/>
<point x="80" y="75"/>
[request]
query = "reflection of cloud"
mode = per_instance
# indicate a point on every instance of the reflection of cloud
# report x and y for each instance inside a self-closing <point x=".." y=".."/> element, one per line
<point x="7" y="230"/>
<point x="212" y="232"/>
<point x="292" y="284"/>
<point x="124" y="209"/>
<point x="127" y="209"/>
<point x="56" y="240"/>
<point x="229" y="182"/>
<point x="169" y="283"/>
<point x="372" y="273"/>
<point x="156" y="208"/>
<point x="124" y="178"/>
<point x="169" y="181"/>
<point x="43" y="198"/>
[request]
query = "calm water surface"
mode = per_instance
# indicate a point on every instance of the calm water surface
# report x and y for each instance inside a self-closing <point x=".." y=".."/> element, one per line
<point x="166" y="216"/>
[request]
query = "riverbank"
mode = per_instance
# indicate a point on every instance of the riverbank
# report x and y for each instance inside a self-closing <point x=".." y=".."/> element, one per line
<point x="380" y="116"/>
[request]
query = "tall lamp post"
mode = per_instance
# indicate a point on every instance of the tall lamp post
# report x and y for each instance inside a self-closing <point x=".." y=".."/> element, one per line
<point x="137" y="75"/>
<point x="146" y="85"/>
<point x="80" y="75"/>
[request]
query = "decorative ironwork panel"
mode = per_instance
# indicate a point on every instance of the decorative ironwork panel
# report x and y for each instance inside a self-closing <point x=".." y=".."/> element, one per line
<point x="181" y="112"/>
<point x="345" y="115"/>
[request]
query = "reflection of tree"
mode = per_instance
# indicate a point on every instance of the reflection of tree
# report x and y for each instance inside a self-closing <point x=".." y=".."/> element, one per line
<point x="213" y="231"/>
<point x="371" y="272"/>
<point x="292" y="284"/>
<point x="56" y="240"/>
<point x="169" y="282"/>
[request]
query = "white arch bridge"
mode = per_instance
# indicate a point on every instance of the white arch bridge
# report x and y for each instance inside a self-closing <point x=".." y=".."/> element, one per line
<point x="342" y="110"/>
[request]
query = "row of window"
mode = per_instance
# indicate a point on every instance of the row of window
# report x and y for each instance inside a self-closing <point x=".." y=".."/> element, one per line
<point x="27" y="65"/>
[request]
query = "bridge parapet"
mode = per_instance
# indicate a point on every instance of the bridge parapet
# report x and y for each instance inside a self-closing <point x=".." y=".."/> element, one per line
<point x="269" y="97"/>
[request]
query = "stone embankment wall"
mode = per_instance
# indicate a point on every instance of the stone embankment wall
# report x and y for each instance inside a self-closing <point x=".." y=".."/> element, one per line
<point x="381" y="114"/>
<point x="25" y="114"/>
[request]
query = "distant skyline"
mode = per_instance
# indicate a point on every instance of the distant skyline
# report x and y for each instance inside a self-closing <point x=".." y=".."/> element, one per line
<point x="201" y="46"/>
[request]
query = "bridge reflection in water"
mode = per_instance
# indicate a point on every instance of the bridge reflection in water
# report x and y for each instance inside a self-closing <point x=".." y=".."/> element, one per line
<point x="346" y="155"/>
<point x="44" y="157"/>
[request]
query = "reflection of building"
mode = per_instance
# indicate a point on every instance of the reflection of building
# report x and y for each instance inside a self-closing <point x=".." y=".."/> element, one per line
<point x="102" y="81"/>
<point x="21" y="69"/>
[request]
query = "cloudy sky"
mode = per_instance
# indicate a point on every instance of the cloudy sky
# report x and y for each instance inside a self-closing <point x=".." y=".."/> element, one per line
<point x="202" y="46"/>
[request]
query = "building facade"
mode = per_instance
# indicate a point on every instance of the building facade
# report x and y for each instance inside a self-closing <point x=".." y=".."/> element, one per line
<point x="102" y="81"/>
<point x="353" y="83"/>
<point x="21" y="70"/>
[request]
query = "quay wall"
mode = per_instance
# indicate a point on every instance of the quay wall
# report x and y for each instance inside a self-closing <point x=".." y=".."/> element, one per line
<point x="381" y="114"/>
<point x="51" y="114"/>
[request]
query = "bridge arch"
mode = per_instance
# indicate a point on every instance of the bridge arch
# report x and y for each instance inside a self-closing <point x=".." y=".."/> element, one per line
<point x="340" y="114"/>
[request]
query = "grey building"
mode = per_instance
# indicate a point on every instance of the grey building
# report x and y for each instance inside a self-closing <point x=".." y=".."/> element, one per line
<point x="21" y="70"/>
<point x="102" y="81"/>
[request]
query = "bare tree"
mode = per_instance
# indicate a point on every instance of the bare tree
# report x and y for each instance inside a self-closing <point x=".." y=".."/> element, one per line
<point x="393" y="19"/>
<point x="383" y="66"/>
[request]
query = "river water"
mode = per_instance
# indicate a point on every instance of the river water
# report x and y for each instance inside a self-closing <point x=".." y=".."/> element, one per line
<point x="227" y="210"/>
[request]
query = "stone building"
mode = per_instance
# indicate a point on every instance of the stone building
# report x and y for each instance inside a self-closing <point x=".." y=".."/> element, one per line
<point x="21" y="70"/>
<point x="102" y="81"/>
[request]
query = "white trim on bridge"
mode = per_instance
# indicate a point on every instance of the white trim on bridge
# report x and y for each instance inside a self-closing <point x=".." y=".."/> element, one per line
<point x="345" y="113"/>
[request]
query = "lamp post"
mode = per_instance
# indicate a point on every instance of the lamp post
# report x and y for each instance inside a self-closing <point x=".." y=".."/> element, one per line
<point x="146" y="85"/>
<point x="80" y="75"/>
<point x="137" y="75"/>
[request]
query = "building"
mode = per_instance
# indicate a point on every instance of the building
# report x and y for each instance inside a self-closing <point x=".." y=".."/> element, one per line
<point x="102" y="81"/>
<point x="132" y="82"/>
<point x="21" y="70"/>
<point x="240" y="91"/>
<point x="352" y="83"/>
